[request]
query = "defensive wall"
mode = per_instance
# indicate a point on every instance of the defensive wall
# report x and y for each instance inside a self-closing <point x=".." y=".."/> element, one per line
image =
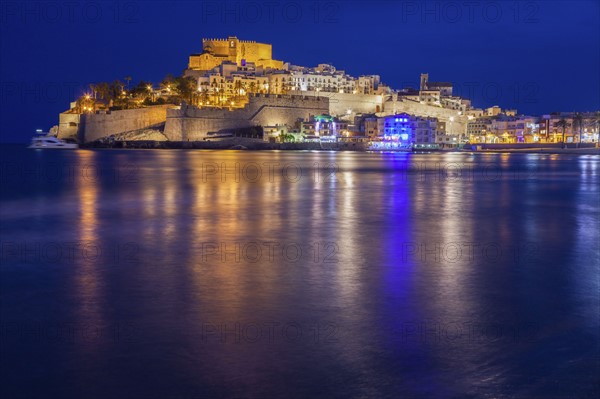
<point x="89" y="127"/>
<point x="340" y="103"/>
<point x="192" y="124"/>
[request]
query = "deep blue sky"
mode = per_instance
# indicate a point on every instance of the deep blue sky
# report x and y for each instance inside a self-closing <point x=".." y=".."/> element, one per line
<point x="536" y="56"/>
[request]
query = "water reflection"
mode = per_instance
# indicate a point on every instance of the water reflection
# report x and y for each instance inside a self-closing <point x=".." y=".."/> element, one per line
<point x="399" y="251"/>
<point x="89" y="273"/>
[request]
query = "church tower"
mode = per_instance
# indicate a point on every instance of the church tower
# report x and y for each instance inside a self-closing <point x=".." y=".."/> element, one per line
<point x="233" y="46"/>
<point x="424" y="79"/>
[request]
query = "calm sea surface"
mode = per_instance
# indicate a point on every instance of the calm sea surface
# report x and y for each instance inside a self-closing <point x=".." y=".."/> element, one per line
<point x="192" y="274"/>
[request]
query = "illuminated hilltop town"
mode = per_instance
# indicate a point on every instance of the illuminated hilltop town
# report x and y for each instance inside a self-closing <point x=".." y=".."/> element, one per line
<point x="236" y="88"/>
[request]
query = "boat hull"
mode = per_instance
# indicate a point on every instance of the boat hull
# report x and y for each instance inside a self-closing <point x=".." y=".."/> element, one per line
<point x="66" y="146"/>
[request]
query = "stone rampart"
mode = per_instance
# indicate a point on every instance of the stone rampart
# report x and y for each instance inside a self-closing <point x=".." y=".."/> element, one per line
<point x="194" y="124"/>
<point x="90" y="127"/>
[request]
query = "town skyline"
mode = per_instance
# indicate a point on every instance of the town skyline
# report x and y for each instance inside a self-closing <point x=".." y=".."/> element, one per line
<point x="236" y="88"/>
<point x="518" y="69"/>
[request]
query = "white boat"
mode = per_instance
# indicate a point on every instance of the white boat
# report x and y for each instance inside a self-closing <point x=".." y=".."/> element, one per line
<point x="46" y="141"/>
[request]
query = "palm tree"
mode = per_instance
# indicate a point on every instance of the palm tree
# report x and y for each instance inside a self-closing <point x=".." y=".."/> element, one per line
<point x="204" y="97"/>
<point x="578" y="122"/>
<point x="594" y="122"/>
<point x="237" y="90"/>
<point x="114" y="93"/>
<point x="127" y="79"/>
<point x="215" y="91"/>
<point x="168" y="82"/>
<point x="103" y="90"/>
<point x="186" y="87"/>
<point x="93" y="89"/>
<point x="563" y="124"/>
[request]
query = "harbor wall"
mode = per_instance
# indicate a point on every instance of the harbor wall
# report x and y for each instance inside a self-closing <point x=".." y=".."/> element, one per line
<point x="90" y="127"/>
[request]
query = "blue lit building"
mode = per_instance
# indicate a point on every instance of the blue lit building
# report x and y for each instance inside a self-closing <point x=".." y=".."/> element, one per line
<point x="405" y="130"/>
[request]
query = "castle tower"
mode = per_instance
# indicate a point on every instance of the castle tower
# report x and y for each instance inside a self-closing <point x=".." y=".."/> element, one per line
<point x="424" y="79"/>
<point x="233" y="47"/>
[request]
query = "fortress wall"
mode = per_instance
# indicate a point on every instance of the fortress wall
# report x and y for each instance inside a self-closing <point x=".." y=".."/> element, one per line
<point x="96" y="126"/>
<point x="68" y="126"/>
<point x="196" y="129"/>
<point x="193" y="124"/>
<point x="271" y="116"/>
<point x="217" y="46"/>
<point x="286" y="110"/>
<point x="275" y="64"/>
<point x="304" y="105"/>
<point x="254" y="51"/>
<point x="204" y="62"/>
<point x="248" y="50"/>
<point x="340" y="103"/>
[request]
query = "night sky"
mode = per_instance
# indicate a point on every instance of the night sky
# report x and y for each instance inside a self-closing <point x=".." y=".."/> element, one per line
<point x="536" y="56"/>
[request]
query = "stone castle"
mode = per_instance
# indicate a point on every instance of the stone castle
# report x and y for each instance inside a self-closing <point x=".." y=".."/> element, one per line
<point x="240" y="85"/>
<point x="216" y="51"/>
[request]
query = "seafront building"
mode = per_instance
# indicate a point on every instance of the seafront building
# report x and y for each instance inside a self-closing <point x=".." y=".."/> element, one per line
<point x="407" y="129"/>
<point x="324" y="127"/>
<point x="508" y="127"/>
<point x="237" y="85"/>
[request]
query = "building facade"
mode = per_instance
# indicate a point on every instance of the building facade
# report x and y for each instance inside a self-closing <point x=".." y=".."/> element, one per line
<point x="407" y="129"/>
<point x="323" y="126"/>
